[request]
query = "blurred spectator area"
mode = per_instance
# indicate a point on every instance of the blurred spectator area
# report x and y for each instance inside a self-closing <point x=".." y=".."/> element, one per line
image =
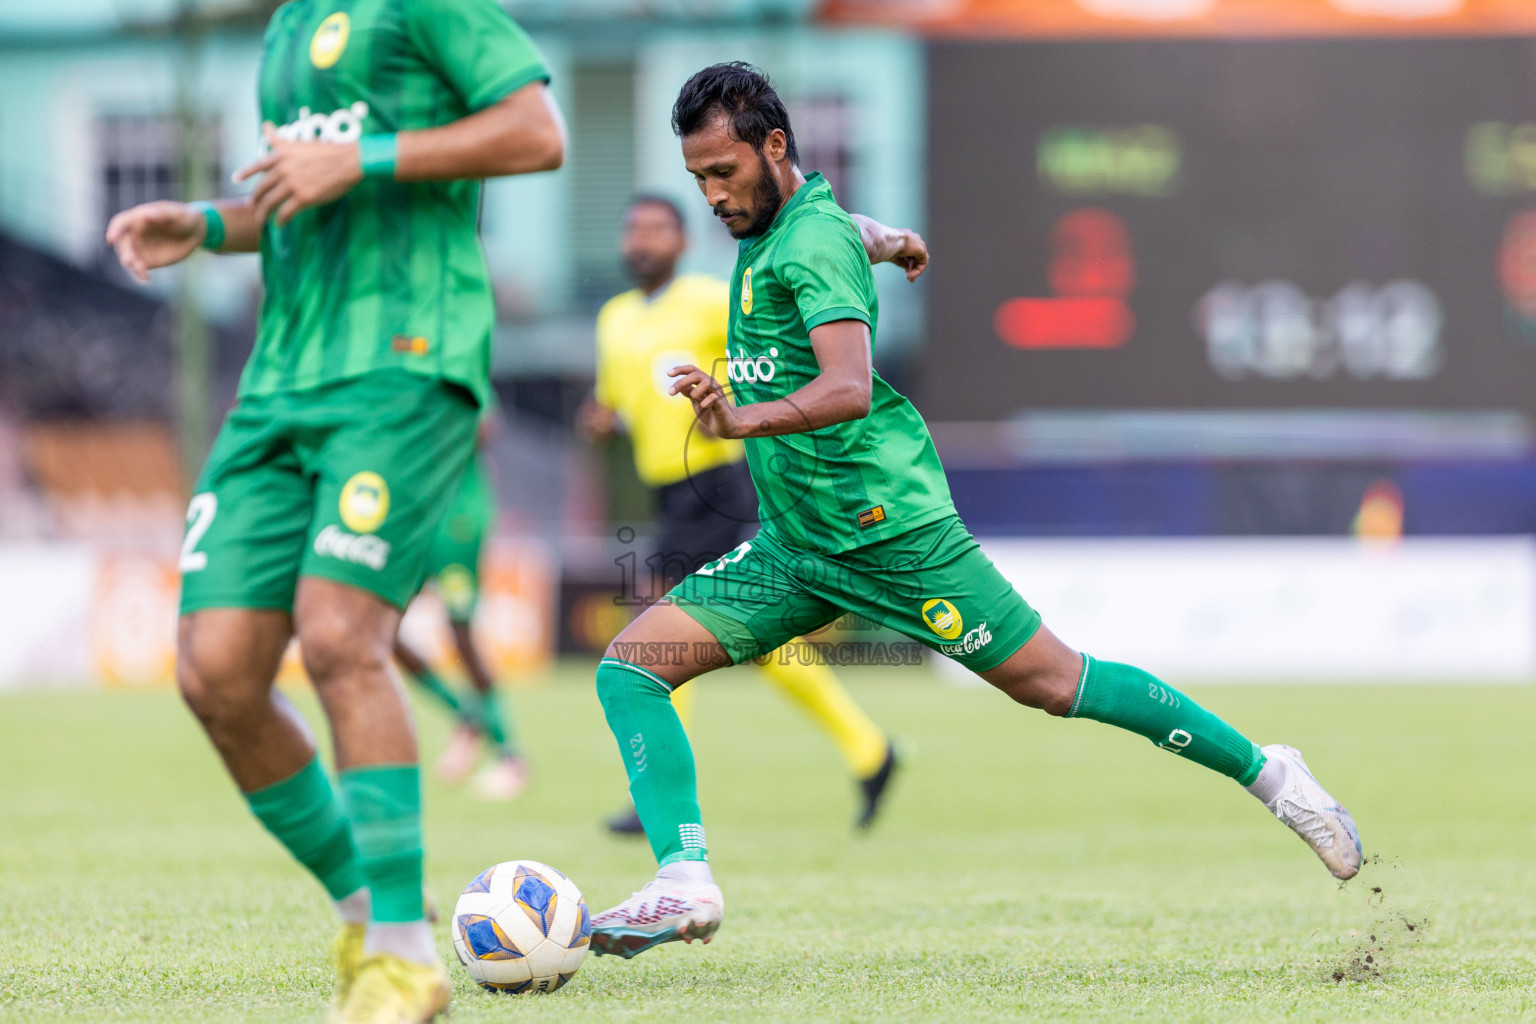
<point x="87" y="390"/>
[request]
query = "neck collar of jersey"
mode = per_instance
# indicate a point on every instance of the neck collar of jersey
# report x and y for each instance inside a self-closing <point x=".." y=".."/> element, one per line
<point x="814" y="183"/>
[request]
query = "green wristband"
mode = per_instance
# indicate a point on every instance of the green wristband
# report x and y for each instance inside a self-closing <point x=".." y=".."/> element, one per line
<point x="377" y="153"/>
<point x="213" y="237"/>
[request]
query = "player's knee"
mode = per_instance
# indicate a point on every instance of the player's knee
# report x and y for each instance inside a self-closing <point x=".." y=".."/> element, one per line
<point x="619" y="680"/>
<point x="196" y="692"/>
<point x="334" y="650"/>
<point x="625" y="647"/>
<point x="345" y="634"/>
<point x="215" y="685"/>
<point x="613" y="680"/>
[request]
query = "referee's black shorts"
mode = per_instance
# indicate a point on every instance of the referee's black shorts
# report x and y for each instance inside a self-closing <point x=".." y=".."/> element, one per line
<point x="703" y="517"/>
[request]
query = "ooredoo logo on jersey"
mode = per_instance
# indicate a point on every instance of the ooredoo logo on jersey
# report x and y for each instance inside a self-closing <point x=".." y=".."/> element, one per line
<point x="752" y="369"/>
<point x="340" y="126"/>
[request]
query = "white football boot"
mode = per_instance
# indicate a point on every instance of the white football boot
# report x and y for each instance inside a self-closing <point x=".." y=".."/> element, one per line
<point x="664" y="911"/>
<point x="1304" y="805"/>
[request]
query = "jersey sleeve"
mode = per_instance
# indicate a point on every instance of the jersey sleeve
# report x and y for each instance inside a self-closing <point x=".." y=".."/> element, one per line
<point x="479" y="51"/>
<point x="824" y="263"/>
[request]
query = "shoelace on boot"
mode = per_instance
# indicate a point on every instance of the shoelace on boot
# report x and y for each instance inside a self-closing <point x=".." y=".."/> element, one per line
<point x="1305" y="821"/>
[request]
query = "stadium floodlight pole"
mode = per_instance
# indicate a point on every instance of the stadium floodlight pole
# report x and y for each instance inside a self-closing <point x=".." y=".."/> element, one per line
<point x="188" y="28"/>
<point x="193" y="378"/>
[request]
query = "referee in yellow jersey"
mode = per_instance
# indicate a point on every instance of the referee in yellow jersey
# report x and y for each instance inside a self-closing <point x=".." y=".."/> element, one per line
<point x="704" y="494"/>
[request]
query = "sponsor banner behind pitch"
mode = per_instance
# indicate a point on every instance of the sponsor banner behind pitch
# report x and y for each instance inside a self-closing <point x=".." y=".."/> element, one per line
<point x="1236" y="18"/>
<point x="1196" y="224"/>
<point x="1283" y="609"/>
<point x="75" y="616"/>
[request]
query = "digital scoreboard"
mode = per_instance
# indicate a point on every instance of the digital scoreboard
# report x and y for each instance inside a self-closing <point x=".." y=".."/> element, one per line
<point x="1276" y="224"/>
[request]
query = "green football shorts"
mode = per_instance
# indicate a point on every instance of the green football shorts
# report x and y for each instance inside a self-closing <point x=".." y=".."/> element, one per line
<point x="932" y="584"/>
<point x="454" y="562"/>
<point x="347" y="481"/>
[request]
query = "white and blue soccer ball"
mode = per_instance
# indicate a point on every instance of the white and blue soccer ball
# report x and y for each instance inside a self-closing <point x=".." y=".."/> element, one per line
<point x="521" y="926"/>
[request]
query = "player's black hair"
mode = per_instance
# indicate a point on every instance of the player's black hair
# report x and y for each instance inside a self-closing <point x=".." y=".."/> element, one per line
<point x="743" y="94"/>
<point x="657" y="199"/>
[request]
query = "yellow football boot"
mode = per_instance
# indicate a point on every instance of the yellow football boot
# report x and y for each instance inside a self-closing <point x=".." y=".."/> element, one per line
<point x="346" y="955"/>
<point x="391" y="990"/>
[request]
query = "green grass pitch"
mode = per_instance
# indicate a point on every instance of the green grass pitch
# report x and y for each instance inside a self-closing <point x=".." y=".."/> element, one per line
<point x="1027" y="868"/>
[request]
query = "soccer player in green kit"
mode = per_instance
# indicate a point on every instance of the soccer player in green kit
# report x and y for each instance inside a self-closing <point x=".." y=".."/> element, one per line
<point x="356" y="418"/>
<point x="856" y="516"/>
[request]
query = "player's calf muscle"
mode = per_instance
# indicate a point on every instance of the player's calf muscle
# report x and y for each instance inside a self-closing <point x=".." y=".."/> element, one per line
<point x="1042" y="674"/>
<point x="226" y="661"/>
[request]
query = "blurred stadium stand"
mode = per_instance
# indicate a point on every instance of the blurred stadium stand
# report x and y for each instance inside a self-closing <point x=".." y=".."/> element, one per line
<point x="74" y="344"/>
<point x="87" y="390"/>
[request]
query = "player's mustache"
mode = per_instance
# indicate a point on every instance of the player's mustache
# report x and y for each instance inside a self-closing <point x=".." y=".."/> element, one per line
<point x="726" y="212"/>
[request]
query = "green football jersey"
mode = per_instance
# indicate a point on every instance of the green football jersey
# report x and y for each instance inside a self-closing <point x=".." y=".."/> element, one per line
<point x="852" y="483"/>
<point x="391" y="274"/>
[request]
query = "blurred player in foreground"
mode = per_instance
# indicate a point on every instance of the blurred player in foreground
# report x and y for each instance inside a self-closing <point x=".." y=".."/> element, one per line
<point x="454" y="564"/>
<point x="316" y="509"/>
<point x="857" y="516"/>
<point x="702" y="486"/>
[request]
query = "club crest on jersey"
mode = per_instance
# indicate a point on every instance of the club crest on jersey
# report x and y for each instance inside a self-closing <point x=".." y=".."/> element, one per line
<point x="364" y="502"/>
<point x="330" y="40"/>
<point x="746" y="292"/>
<point x="943" y="618"/>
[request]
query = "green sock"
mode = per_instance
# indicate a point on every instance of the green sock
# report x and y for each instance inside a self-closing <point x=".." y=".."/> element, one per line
<point x="440" y="691"/>
<point x="384" y="803"/>
<point x="493" y="719"/>
<point x="1125" y="696"/>
<point x="303" y="813"/>
<point x="657" y="757"/>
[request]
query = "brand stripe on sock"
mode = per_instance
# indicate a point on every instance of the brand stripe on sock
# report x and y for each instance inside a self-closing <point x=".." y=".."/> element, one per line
<point x="1082" y="679"/>
<point x="631" y="666"/>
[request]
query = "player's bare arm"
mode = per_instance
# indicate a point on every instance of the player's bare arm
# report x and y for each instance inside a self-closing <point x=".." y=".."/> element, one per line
<point x="519" y="135"/>
<point x="901" y="246"/>
<point x="159" y="234"/>
<point x="841" y="392"/>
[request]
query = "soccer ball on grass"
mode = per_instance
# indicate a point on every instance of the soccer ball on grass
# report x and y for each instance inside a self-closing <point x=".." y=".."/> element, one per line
<point x="520" y="927"/>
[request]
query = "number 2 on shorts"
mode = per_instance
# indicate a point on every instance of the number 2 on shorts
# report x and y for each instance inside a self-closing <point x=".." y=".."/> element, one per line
<point x="736" y="555"/>
<point x="199" y="517"/>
